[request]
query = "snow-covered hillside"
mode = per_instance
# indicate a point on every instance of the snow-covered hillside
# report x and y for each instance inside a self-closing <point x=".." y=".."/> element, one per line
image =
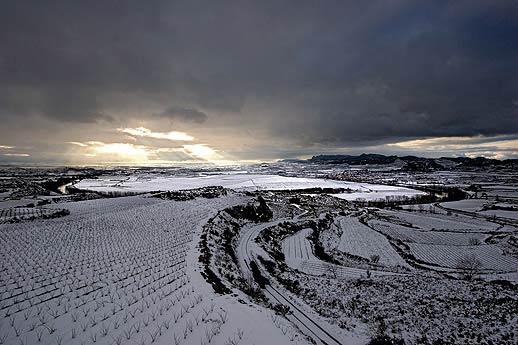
<point x="120" y="271"/>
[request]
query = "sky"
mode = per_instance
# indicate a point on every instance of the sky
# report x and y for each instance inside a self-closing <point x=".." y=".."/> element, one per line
<point x="152" y="82"/>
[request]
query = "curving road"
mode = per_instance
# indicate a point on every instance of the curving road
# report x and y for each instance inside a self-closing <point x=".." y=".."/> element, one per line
<point x="278" y="295"/>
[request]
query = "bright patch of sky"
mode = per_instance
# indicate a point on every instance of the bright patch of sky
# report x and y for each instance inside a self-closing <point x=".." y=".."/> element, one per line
<point x="144" y="132"/>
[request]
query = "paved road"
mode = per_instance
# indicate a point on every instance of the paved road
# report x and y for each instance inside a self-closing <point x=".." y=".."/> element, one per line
<point x="277" y="294"/>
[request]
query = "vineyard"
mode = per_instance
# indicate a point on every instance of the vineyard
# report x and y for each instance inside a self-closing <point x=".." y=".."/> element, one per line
<point x="299" y="255"/>
<point x="113" y="272"/>
<point x="437" y="221"/>
<point x="406" y="234"/>
<point x="501" y="213"/>
<point x="358" y="239"/>
<point x="297" y="248"/>
<point x="320" y="268"/>
<point x="490" y="256"/>
<point x="252" y="260"/>
<point x="449" y="246"/>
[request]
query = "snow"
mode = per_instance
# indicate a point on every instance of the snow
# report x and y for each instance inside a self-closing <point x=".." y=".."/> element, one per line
<point x="241" y="181"/>
<point x="503" y="193"/>
<point x="437" y="221"/>
<point x="297" y="248"/>
<point x="417" y="307"/>
<point x="489" y="255"/>
<point x="501" y="213"/>
<point x="470" y="205"/>
<point x="375" y="194"/>
<point x="410" y="235"/>
<point x="360" y="240"/>
<point x="16" y="203"/>
<point x="480" y="207"/>
<point x="255" y="321"/>
<point x="299" y="255"/>
<point x="300" y="314"/>
<point x="126" y="270"/>
<point x="120" y="271"/>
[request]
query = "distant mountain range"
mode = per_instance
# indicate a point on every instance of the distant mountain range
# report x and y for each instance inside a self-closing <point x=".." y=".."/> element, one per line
<point x="411" y="163"/>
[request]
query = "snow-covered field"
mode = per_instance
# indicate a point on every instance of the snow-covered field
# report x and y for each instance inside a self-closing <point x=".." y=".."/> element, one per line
<point x="297" y="248"/>
<point x="299" y="255"/>
<point x="410" y="235"/>
<point x="470" y="205"/>
<point x="320" y="268"/>
<point x="490" y="256"/>
<point x="431" y="221"/>
<point x="487" y="208"/>
<point x="501" y="213"/>
<point x="135" y="270"/>
<point x="5" y="204"/>
<point x="119" y="271"/>
<point x="360" y="240"/>
<point x="457" y="238"/>
<point x="241" y="181"/>
<point x="379" y="194"/>
<point x="503" y="191"/>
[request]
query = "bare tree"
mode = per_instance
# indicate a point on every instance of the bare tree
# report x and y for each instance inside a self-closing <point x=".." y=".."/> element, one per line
<point x="474" y="241"/>
<point x="469" y="265"/>
<point x="332" y="271"/>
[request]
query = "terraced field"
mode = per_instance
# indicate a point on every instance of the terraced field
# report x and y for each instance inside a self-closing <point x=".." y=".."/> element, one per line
<point x="490" y="256"/>
<point x="297" y="248"/>
<point x="406" y="234"/>
<point x="430" y="221"/>
<point x="470" y="205"/>
<point x="299" y="255"/>
<point x="360" y="240"/>
<point x="319" y="268"/>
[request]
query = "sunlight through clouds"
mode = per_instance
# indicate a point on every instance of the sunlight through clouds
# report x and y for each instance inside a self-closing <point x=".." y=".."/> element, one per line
<point x="17" y="154"/>
<point x="498" y="147"/>
<point x="203" y="151"/>
<point x="114" y="151"/>
<point x="142" y="154"/>
<point x="123" y="149"/>
<point x="144" y="132"/>
<point x="77" y="143"/>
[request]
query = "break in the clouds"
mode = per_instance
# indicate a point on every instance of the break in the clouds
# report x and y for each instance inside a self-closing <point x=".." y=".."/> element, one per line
<point x="144" y="132"/>
<point x="97" y="151"/>
<point x="257" y="79"/>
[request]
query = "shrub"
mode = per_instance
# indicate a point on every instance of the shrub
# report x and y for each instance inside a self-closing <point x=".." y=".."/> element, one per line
<point x="386" y="340"/>
<point x="258" y="277"/>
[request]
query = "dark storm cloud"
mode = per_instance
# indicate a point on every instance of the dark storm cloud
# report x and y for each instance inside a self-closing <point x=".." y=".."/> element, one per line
<point x="183" y="114"/>
<point x="331" y="73"/>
